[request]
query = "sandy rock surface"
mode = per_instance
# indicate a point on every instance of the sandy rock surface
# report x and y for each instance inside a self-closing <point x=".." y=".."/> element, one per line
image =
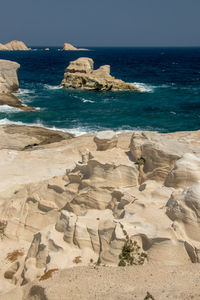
<point x="80" y="74"/>
<point x="88" y="283"/>
<point x="18" y="137"/>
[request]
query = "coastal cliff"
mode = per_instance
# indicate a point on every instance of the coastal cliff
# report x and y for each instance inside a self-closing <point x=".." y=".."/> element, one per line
<point x="76" y="202"/>
<point x="9" y="84"/>
<point x="80" y="74"/>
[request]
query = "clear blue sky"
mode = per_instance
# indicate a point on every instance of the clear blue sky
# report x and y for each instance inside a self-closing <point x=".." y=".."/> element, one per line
<point x="101" y="22"/>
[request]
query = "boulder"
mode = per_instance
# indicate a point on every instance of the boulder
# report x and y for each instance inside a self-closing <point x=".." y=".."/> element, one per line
<point x="81" y="75"/>
<point x="69" y="47"/>
<point x="105" y="140"/>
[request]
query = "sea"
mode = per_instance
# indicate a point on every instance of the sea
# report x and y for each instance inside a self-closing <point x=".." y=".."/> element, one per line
<point x="169" y="80"/>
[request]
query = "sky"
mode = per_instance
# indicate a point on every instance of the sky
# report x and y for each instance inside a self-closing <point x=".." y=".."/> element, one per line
<point x="101" y="22"/>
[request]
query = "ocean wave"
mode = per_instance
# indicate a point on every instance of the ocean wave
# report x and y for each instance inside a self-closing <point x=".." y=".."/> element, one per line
<point x="76" y="131"/>
<point x="52" y="87"/>
<point x="23" y="92"/>
<point x="8" y="109"/>
<point x="143" y="87"/>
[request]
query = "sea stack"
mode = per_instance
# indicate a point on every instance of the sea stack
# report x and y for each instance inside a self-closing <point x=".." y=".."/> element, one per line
<point x="14" y="46"/>
<point x="80" y="74"/>
<point x="9" y="84"/>
<point x="69" y="47"/>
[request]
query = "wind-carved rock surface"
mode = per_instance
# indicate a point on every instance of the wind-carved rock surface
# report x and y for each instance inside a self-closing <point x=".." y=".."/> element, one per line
<point x="9" y="84"/>
<point x="69" y="47"/>
<point x="14" y="46"/>
<point x="68" y="209"/>
<point x="105" y="140"/>
<point x="80" y="74"/>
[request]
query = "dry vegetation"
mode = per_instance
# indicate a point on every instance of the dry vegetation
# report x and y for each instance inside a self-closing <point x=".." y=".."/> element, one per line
<point x="77" y="260"/>
<point x="48" y="274"/>
<point x="13" y="256"/>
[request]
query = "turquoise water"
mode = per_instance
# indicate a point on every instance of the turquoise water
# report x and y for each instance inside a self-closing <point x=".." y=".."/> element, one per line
<point x="169" y="79"/>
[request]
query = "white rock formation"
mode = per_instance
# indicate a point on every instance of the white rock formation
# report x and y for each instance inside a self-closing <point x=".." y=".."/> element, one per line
<point x="9" y="84"/>
<point x="8" y="76"/>
<point x="185" y="172"/>
<point x="14" y="46"/>
<point x="63" y="204"/>
<point x="69" y="47"/>
<point x="81" y="75"/>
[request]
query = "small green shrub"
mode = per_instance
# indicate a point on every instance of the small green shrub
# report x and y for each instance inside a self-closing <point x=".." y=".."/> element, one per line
<point x="131" y="253"/>
<point x="149" y="297"/>
<point x="140" y="161"/>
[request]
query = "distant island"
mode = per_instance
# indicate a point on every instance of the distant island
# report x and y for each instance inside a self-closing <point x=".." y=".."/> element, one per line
<point x="69" y="47"/>
<point x="14" y="46"/>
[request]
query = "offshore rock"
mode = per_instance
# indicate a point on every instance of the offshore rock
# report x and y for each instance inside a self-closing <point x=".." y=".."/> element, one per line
<point x="15" y="45"/>
<point x="69" y="47"/>
<point x="3" y="47"/>
<point x="80" y="74"/>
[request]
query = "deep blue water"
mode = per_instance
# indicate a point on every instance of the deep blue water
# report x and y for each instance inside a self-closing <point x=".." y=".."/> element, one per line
<point x="170" y="101"/>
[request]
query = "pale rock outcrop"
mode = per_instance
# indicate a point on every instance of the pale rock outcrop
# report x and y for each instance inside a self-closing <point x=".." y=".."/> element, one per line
<point x="8" y="76"/>
<point x="156" y="153"/>
<point x="3" y="47"/>
<point x="69" y="47"/>
<point x="97" y="177"/>
<point x="185" y="172"/>
<point x="65" y="203"/>
<point x="9" y="84"/>
<point x="18" y="137"/>
<point x="105" y="140"/>
<point x="16" y="45"/>
<point x="183" y="208"/>
<point x="81" y="75"/>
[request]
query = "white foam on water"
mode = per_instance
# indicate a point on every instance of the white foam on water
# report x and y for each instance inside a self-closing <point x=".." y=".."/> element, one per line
<point x="52" y="87"/>
<point x="8" y="109"/>
<point x="143" y="87"/>
<point x="76" y="131"/>
<point x="23" y="92"/>
<point x="86" y="100"/>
